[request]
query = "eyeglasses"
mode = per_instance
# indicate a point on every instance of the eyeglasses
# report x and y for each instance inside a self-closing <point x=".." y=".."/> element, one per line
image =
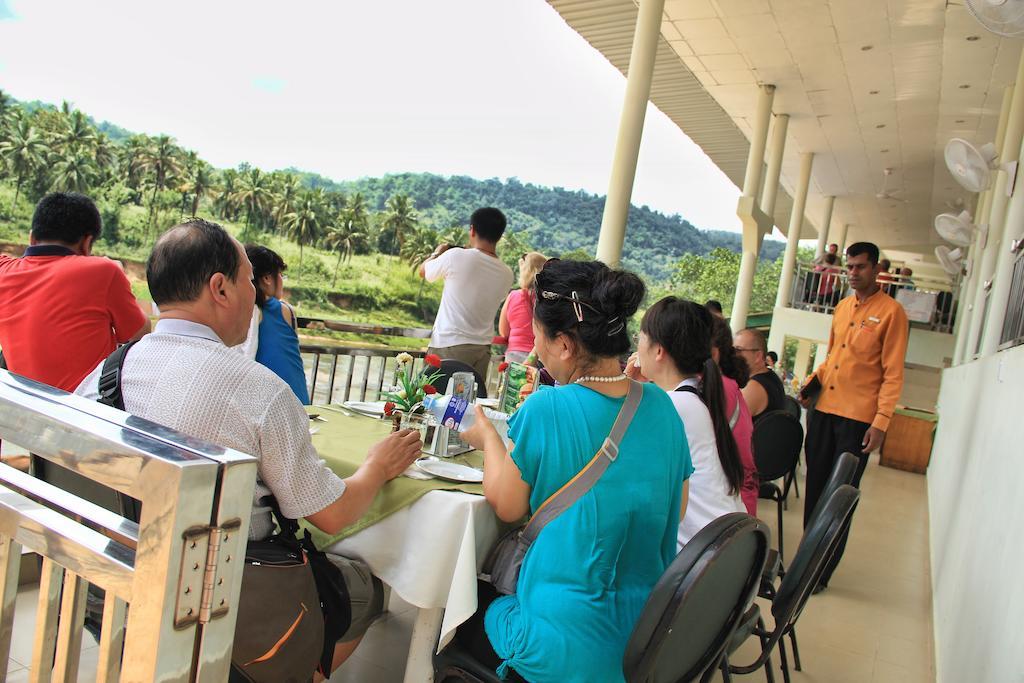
<point x="743" y="350"/>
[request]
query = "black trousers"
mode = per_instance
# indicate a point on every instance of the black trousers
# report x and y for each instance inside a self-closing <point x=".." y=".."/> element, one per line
<point x="829" y="436"/>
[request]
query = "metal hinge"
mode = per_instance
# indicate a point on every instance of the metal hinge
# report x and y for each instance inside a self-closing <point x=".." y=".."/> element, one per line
<point x="206" y="560"/>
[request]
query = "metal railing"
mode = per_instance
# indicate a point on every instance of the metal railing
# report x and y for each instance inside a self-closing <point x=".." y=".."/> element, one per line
<point x="1013" y="323"/>
<point x="820" y="288"/>
<point x="173" y="568"/>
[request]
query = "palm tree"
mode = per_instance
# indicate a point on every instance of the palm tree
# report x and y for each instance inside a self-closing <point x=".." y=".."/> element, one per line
<point x="419" y="244"/>
<point x="75" y="133"/>
<point x="6" y="104"/>
<point x="23" y="152"/>
<point x="106" y="157"/>
<point x="199" y="182"/>
<point x="75" y="171"/>
<point x="253" y="193"/>
<point x="399" y="217"/>
<point x="131" y="156"/>
<point x="303" y="224"/>
<point x="350" y="229"/>
<point x="160" y="160"/>
<point x="287" y="186"/>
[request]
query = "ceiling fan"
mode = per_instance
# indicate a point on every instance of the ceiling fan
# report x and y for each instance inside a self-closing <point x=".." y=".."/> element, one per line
<point x="1002" y="17"/>
<point x="886" y="193"/>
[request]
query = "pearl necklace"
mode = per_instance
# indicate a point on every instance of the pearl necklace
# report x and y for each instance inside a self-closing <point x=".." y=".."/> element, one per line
<point x="596" y="378"/>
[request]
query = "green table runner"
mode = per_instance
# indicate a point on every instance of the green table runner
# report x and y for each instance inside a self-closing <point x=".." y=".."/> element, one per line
<point x="343" y="441"/>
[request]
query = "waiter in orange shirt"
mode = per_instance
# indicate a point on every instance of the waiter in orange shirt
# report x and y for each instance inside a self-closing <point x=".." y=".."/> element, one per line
<point x="859" y="382"/>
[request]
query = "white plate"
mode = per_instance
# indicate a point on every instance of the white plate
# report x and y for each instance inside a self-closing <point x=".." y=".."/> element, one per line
<point x="370" y="408"/>
<point x="452" y="471"/>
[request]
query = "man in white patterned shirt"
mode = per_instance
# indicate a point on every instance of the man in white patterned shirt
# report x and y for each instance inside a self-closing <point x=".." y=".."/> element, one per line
<point x="185" y="377"/>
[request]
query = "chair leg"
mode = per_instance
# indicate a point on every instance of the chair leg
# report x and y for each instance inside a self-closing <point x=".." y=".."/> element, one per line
<point x="768" y="673"/>
<point x="782" y="555"/>
<point x="796" y="650"/>
<point x="782" y="657"/>
<point x="723" y="666"/>
<point x="796" y="483"/>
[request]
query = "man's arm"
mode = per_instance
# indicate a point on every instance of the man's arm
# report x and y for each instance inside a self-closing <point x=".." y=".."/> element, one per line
<point x="430" y="277"/>
<point x="386" y="460"/>
<point x="127" y="316"/>
<point x="755" y="396"/>
<point x="894" y="352"/>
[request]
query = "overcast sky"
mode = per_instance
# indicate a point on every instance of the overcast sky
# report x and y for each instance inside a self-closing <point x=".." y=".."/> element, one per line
<point x="484" y="88"/>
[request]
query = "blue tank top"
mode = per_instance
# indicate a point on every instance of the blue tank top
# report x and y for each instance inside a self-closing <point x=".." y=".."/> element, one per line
<point x="279" y="349"/>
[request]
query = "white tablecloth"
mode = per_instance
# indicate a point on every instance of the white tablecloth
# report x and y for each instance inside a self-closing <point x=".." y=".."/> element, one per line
<point x="430" y="554"/>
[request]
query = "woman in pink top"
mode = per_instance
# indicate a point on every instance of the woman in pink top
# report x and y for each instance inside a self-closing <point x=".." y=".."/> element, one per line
<point x="516" y="320"/>
<point x="734" y="376"/>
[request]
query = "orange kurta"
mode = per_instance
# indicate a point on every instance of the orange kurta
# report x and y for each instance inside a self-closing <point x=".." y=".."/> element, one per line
<point x="862" y="376"/>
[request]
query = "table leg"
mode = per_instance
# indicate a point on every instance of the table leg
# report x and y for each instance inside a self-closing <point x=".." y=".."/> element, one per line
<point x="419" y="667"/>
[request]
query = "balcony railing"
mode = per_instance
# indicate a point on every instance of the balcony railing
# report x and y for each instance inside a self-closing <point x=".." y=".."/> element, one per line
<point x="930" y="302"/>
<point x="1013" y="323"/>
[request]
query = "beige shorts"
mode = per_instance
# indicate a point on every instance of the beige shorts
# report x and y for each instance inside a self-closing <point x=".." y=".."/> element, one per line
<point x="365" y="592"/>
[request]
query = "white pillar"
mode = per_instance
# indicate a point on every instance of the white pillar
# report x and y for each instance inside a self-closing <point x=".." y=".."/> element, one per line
<point x="755" y="159"/>
<point x="751" y="231"/>
<point x="839" y="236"/>
<point x="1000" y="219"/>
<point x="826" y="220"/>
<point x="776" y="150"/>
<point x="631" y="127"/>
<point x="796" y="222"/>
<point x="969" y="317"/>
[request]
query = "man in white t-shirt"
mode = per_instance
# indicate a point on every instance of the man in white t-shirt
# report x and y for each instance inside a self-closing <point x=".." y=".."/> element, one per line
<point x="476" y="283"/>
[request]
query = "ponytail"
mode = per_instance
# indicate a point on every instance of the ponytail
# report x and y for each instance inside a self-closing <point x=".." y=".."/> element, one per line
<point x="713" y="392"/>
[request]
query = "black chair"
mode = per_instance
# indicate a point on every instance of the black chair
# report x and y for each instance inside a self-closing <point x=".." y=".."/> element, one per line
<point x="690" y="616"/>
<point x="449" y="367"/>
<point x="793" y="407"/>
<point x="778" y="438"/>
<point x="843" y="472"/>
<point x="816" y="548"/>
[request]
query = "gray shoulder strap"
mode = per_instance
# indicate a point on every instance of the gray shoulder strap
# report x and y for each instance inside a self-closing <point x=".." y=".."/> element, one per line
<point x="735" y="417"/>
<point x="575" y="489"/>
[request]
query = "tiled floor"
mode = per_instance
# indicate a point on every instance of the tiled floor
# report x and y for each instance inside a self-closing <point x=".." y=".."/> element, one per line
<point x="873" y="624"/>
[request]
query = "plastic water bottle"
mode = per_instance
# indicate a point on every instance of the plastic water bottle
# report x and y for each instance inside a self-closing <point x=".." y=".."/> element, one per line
<point x="458" y="414"/>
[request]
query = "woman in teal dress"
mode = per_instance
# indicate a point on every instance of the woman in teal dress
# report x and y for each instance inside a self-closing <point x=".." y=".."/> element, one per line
<point x="585" y="580"/>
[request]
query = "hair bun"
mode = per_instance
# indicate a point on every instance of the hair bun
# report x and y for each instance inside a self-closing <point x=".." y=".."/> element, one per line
<point x="618" y="293"/>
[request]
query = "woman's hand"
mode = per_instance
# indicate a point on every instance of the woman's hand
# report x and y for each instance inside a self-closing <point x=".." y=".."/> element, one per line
<point x="482" y="431"/>
<point x="633" y="368"/>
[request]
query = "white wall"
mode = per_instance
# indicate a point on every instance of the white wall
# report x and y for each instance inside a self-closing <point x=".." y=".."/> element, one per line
<point x="976" y="514"/>
<point x="933" y="349"/>
<point x="793" y="322"/>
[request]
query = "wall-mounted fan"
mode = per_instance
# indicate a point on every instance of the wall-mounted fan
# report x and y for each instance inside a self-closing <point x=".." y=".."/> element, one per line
<point x="958" y="228"/>
<point x="949" y="259"/>
<point x="1002" y="17"/>
<point x="972" y="166"/>
<point x="885" y="192"/>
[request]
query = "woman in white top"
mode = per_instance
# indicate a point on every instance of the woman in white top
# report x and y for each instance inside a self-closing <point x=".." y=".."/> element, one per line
<point x="674" y="351"/>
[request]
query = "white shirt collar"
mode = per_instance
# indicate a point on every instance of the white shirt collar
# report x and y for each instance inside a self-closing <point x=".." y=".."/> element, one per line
<point x="186" y="328"/>
<point x="691" y="381"/>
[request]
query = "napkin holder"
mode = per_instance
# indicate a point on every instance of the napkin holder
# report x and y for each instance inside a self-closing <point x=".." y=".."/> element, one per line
<point x="445" y="443"/>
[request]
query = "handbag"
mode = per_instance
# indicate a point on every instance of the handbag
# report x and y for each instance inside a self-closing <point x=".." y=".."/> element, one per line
<point x="502" y="565"/>
<point x="293" y="606"/>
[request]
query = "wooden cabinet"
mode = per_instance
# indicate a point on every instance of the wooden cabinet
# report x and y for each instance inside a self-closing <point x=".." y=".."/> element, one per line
<point x="908" y="443"/>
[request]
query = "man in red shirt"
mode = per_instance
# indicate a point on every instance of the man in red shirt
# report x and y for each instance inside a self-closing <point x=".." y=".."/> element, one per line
<point x="62" y="311"/>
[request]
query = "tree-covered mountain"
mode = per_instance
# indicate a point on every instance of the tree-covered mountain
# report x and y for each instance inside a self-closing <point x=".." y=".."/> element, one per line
<point x="555" y="219"/>
<point x="45" y="148"/>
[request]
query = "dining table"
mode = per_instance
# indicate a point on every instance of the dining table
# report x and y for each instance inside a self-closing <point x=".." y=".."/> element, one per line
<point x="425" y="539"/>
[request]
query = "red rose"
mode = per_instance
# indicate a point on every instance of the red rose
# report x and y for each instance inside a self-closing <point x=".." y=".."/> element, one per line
<point x="429" y="389"/>
<point x="389" y="408"/>
<point x="433" y="360"/>
<point x="503" y="367"/>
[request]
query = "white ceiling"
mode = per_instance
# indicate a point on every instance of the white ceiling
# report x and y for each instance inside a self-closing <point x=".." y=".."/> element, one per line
<point x="868" y="84"/>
